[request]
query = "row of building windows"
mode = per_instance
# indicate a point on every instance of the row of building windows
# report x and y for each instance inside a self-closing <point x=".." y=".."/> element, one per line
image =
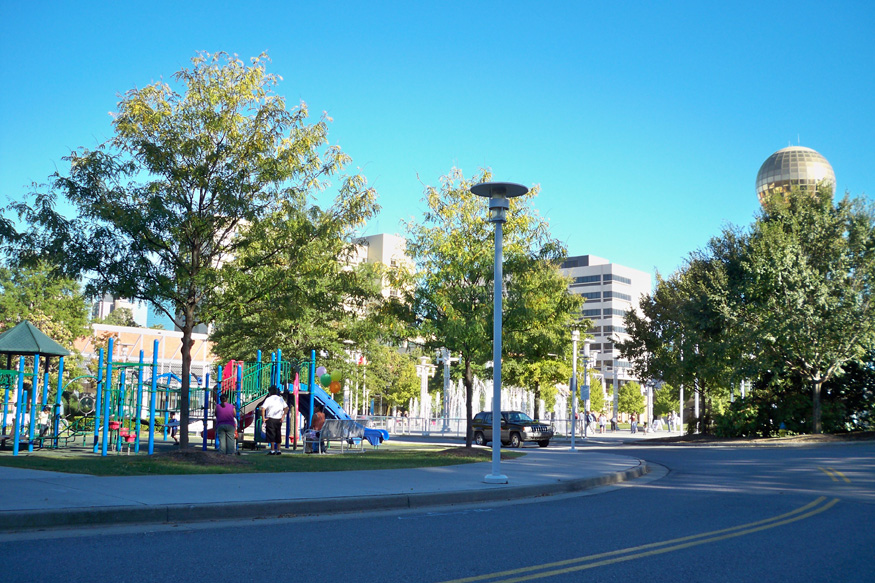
<point x="595" y="279"/>
<point x="617" y="295"/>
<point x="597" y="312"/>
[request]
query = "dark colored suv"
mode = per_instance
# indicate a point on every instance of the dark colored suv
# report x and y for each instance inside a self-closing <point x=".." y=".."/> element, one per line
<point x="516" y="427"/>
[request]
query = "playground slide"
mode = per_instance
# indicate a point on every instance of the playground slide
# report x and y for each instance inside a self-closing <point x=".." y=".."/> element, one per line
<point x="333" y="410"/>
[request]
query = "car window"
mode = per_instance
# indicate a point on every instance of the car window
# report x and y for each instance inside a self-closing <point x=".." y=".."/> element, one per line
<point x="517" y="417"/>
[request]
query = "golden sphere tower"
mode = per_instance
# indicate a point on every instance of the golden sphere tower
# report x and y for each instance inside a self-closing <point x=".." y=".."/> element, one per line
<point x="793" y="166"/>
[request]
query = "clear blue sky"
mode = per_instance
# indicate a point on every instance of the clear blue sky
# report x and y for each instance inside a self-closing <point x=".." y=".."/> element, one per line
<point x="644" y="122"/>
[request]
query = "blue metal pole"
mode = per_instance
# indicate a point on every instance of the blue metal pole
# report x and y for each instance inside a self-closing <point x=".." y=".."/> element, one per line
<point x="56" y="425"/>
<point x="107" y="388"/>
<point x="238" y="403"/>
<point x="6" y="404"/>
<point x="139" y="411"/>
<point x="45" y="399"/>
<point x="206" y="416"/>
<point x="152" y="397"/>
<point x="120" y="415"/>
<point x="98" y="402"/>
<point x="312" y="386"/>
<point x="19" y="399"/>
<point x="34" y="391"/>
<point x="34" y="394"/>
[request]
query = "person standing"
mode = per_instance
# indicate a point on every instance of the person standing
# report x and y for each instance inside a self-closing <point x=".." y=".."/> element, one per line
<point x="634" y="422"/>
<point x="603" y="420"/>
<point x="273" y="410"/>
<point x="226" y="425"/>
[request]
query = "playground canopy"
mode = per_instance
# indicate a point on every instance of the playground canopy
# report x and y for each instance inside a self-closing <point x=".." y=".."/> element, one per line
<point x="25" y="339"/>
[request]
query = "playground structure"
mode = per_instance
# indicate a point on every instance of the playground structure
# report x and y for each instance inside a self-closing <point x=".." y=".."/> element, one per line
<point x="129" y="395"/>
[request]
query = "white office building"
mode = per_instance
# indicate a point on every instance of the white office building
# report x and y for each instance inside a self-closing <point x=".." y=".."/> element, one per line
<point x="610" y="290"/>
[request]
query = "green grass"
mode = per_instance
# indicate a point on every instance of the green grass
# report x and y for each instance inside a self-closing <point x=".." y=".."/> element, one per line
<point x="192" y="462"/>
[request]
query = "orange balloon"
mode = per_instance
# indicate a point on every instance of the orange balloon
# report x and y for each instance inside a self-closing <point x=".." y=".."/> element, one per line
<point x="334" y="387"/>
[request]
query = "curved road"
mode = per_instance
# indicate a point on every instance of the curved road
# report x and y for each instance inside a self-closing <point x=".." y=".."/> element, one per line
<point x="711" y="514"/>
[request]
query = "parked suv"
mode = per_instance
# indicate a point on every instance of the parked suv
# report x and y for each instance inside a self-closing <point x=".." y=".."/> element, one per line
<point x="516" y="427"/>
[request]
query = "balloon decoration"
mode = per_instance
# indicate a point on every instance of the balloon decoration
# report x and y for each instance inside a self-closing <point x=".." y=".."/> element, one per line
<point x="335" y="376"/>
<point x="334" y="387"/>
<point x="325" y="380"/>
<point x="320" y="371"/>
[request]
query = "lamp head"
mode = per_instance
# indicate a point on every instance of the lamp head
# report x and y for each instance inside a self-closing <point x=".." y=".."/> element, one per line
<point x="498" y="194"/>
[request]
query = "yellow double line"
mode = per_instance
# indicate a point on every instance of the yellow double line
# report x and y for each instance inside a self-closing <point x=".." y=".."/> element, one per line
<point x="834" y="474"/>
<point x="658" y="548"/>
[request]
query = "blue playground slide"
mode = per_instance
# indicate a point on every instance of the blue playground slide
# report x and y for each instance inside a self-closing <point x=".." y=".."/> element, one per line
<point x="333" y="410"/>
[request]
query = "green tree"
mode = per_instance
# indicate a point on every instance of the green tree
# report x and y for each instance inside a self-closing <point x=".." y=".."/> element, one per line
<point x="54" y="305"/>
<point x="665" y="399"/>
<point x="596" y="393"/>
<point x="452" y="302"/>
<point x="119" y="317"/>
<point x="630" y="398"/>
<point x="809" y="306"/>
<point x="190" y="180"/>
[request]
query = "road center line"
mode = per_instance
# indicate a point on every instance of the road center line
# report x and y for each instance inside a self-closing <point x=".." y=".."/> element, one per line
<point x="570" y="565"/>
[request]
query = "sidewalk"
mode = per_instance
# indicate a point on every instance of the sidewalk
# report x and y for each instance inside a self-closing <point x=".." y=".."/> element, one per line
<point x="37" y="499"/>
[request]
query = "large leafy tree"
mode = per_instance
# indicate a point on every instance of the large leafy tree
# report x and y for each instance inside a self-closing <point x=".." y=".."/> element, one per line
<point x="809" y="305"/>
<point x="452" y="302"/>
<point x="55" y="306"/>
<point x="193" y="171"/>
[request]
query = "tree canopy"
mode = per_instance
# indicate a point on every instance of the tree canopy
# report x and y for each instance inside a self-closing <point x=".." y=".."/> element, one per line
<point x="196" y="172"/>
<point x="451" y="304"/>
<point x="788" y="301"/>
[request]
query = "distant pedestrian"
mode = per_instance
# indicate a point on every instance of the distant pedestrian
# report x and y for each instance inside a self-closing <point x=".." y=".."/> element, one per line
<point x="273" y="410"/>
<point x="614" y="425"/>
<point x="633" y="420"/>
<point x="603" y="421"/>
<point x="226" y="425"/>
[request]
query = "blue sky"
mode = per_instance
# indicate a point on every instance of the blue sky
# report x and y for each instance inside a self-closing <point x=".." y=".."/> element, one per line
<point x="643" y="122"/>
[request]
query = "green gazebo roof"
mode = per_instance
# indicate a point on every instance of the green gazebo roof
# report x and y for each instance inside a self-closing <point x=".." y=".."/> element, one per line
<point x="26" y="340"/>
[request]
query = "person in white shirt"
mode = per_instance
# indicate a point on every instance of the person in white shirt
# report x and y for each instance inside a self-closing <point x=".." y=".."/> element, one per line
<point x="273" y="410"/>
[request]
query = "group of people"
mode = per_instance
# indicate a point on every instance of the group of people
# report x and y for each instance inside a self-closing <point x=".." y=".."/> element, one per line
<point x="273" y="411"/>
<point x="601" y="420"/>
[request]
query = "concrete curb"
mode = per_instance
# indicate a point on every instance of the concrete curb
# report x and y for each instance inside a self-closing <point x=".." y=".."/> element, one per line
<point x="172" y="513"/>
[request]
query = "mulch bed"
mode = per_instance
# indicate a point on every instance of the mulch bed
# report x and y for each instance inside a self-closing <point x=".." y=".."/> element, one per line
<point x="203" y="458"/>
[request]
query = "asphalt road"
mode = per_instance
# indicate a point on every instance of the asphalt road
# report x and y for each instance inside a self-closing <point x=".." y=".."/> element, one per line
<point x="713" y="514"/>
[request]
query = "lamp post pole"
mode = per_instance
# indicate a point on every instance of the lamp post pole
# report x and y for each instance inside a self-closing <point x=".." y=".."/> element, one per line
<point x="575" y="336"/>
<point x="498" y="194"/>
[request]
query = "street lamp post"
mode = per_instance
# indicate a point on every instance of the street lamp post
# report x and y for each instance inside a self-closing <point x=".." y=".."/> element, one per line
<point x="575" y="336"/>
<point x="498" y="194"/>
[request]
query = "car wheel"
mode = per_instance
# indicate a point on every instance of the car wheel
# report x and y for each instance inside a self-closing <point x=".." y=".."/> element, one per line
<point x="515" y="440"/>
<point x="479" y="439"/>
<point x="544" y="443"/>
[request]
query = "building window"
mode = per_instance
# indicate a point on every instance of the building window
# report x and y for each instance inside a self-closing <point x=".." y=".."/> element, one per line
<point x="586" y="280"/>
<point x="620" y="329"/>
<point x="594" y="296"/>
<point x="617" y="295"/>
<point x="615" y="277"/>
<point x="591" y="313"/>
<point x="613" y="312"/>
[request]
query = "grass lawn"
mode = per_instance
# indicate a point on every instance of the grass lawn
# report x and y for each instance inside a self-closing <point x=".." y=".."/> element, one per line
<point x="195" y="461"/>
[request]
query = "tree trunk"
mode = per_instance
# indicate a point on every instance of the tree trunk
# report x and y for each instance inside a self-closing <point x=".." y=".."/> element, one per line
<point x="538" y="402"/>
<point x="469" y="405"/>
<point x="184" y="401"/>
<point x="815" y="397"/>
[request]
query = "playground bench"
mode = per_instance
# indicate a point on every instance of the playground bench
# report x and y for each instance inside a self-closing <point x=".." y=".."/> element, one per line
<point x="345" y="431"/>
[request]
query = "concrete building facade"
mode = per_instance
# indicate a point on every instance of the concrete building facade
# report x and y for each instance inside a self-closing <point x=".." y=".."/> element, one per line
<point x="610" y="290"/>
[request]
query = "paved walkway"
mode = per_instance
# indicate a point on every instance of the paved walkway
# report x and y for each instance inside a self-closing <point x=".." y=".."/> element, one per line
<point x="39" y="499"/>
